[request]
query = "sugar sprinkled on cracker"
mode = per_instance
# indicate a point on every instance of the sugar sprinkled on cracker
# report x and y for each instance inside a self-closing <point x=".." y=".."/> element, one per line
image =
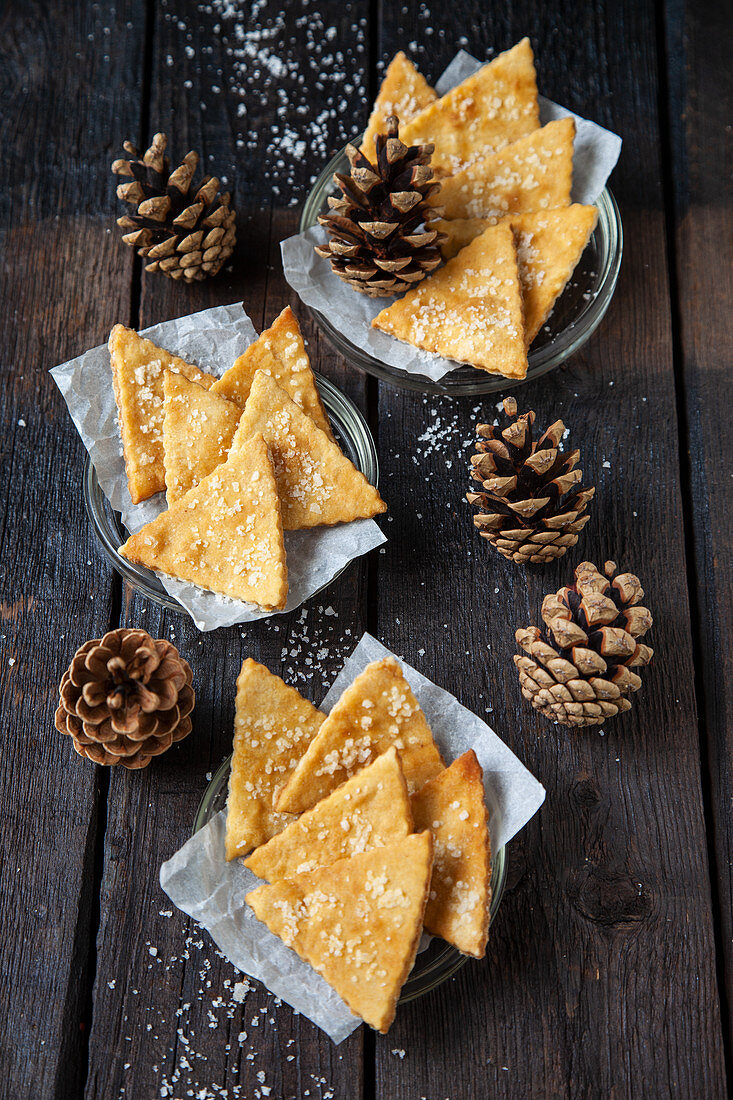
<point x="534" y="173"/>
<point x="452" y="806"/>
<point x="279" y="352"/>
<point x="490" y="109"/>
<point x="549" y="245"/>
<point x="357" y="922"/>
<point x="273" y="726"/>
<point x="317" y="484"/>
<point x="375" y="712"/>
<point x="138" y="367"/>
<point x="368" y="811"/>
<point x="469" y="310"/>
<point x="225" y="534"/>
<point x="198" y="428"/>
<point x="404" y="92"/>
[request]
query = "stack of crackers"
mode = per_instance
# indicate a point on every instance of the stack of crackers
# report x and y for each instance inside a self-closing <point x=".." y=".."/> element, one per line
<point x="241" y="458"/>
<point x="513" y="239"/>
<point x="363" y="835"/>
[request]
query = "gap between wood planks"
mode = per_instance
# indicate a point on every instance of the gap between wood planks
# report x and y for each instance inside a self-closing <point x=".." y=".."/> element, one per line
<point x="115" y="617"/>
<point x="693" y="573"/>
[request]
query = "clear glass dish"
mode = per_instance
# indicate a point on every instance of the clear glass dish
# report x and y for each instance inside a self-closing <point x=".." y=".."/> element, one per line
<point x="352" y="434"/>
<point x="434" y="965"/>
<point x="577" y="313"/>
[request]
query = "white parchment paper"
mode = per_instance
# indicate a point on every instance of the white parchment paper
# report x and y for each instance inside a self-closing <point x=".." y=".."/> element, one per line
<point x="199" y="880"/>
<point x="212" y="339"/>
<point x="595" y="153"/>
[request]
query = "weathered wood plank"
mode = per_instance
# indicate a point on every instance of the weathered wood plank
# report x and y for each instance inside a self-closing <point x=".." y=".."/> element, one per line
<point x="699" y="42"/>
<point x="55" y="589"/>
<point x="601" y="968"/>
<point x="186" y="985"/>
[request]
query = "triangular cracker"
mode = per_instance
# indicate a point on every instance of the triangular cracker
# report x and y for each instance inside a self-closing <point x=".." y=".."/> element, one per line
<point x="138" y="366"/>
<point x="225" y="534"/>
<point x="198" y="429"/>
<point x="279" y="352"/>
<point x="404" y="92"/>
<point x="273" y="726"/>
<point x="357" y="922"/>
<point x="491" y="109"/>
<point x="317" y="484"/>
<point x="549" y="245"/>
<point x="368" y="811"/>
<point x="470" y="310"/>
<point x="535" y="173"/>
<point x="458" y="232"/>
<point x="378" y="710"/>
<point x="452" y="806"/>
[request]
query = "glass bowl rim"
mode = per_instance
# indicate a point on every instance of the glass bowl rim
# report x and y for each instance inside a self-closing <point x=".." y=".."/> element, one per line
<point x="108" y="527"/>
<point x="567" y="342"/>
<point x="447" y="962"/>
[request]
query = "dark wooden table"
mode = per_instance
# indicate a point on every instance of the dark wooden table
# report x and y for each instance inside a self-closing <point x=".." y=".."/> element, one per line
<point x="609" y="971"/>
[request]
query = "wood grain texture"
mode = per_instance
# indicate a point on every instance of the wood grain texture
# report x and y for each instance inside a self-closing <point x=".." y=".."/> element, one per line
<point x="699" y="42"/>
<point x="55" y="589"/>
<point x="170" y="1020"/>
<point x="589" y="972"/>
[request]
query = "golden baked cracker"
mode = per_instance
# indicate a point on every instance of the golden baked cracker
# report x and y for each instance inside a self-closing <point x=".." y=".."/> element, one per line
<point x="273" y="726"/>
<point x="452" y="806"/>
<point x="549" y="245"/>
<point x="138" y="366"/>
<point x="378" y="710"/>
<point x="357" y="922"/>
<point x="458" y="232"/>
<point x="470" y="310"/>
<point x="485" y="112"/>
<point x="404" y="92"/>
<point x="317" y="484"/>
<point x="225" y="534"/>
<point x="367" y="811"/>
<point x="198" y="429"/>
<point x="534" y="173"/>
<point x="279" y="352"/>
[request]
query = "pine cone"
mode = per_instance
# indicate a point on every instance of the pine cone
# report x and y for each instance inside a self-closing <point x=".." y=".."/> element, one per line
<point x="381" y="241"/>
<point x="531" y="509"/>
<point x="184" y="235"/>
<point x="579" y="669"/>
<point x="125" y="698"/>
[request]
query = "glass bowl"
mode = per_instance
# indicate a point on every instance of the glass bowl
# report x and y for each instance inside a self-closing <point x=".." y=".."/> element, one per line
<point x="577" y="313"/>
<point x="436" y="963"/>
<point x="351" y="432"/>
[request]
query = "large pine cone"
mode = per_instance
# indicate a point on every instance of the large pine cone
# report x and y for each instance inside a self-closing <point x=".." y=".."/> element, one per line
<point x="183" y="234"/>
<point x="532" y="504"/>
<point x="579" y="667"/>
<point x="381" y="242"/>
<point x="125" y="698"/>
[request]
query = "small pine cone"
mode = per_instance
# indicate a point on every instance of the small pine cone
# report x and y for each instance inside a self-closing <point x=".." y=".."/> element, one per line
<point x="125" y="698"/>
<point x="380" y="238"/>
<point x="579" y="668"/>
<point x="532" y="505"/>
<point x="185" y="234"/>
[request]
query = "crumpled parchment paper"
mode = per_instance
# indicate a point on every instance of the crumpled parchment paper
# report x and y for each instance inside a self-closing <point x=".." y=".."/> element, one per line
<point x="200" y="881"/>
<point x="595" y="153"/>
<point x="212" y="339"/>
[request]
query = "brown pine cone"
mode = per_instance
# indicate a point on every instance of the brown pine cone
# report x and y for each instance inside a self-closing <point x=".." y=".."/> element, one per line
<point x="532" y="505"/>
<point x="381" y="241"/>
<point x="579" y="667"/>
<point x="125" y="698"/>
<point x="185" y="232"/>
